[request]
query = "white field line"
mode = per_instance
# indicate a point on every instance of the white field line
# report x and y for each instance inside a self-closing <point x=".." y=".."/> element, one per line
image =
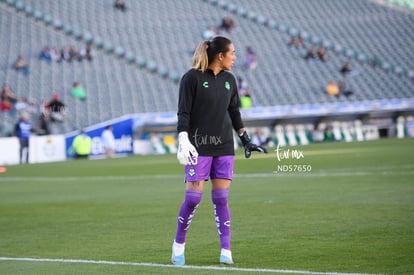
<point x="255" y="270"/>
<point x="181" y="177"/>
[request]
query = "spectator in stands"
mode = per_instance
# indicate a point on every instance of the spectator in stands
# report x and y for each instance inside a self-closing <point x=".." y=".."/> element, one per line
<point x="120" y="5"/>
<point x="242" y="86"/>
<point x="7" y="93"/>
<point x="332" y="88"/>
<point x="5" y="106"/>
<point x="343" y="89"/>
<point x="82" y="144"/>
<point x="228" y="24"/>
<point x="345" y="69"/>
<point x="74" y="54"/>
<point x="43" y="125"/>
<point x="45" y="54"/>
<point x="22" y="105"/>
<point x="244" y="93"/>
<point x="296" y="42"/>
<point x="250" y="61"/>
<point x="23" y="130"/>
<point x="64" y="54"/>
<point x="21" y="65"/>
<point x="246" y="100"/>
<point x="321" y="54"/>
<point x="310" y="54"/>
<point x="89" y="52"/>
<point x="78" y="91"/>
<point x="32" y="108"/>
<point x="43" y="107"/>
<point x="56" y="109"/>
<point x="54" y="55"/>
<point x="108" y="141"/>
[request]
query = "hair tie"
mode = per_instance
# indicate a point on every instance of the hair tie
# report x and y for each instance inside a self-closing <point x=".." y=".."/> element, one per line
<point x="208" y="43"/>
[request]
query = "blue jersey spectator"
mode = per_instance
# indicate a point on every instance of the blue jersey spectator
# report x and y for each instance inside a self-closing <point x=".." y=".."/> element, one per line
<point x="23" y="130"/>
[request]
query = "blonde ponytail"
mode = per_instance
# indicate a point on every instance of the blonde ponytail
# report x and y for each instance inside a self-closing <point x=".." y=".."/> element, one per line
<point x="200" y="58"/>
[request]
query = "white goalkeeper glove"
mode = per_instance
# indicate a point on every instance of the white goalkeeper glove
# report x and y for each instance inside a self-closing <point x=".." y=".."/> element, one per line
<point x="187" y="153"/>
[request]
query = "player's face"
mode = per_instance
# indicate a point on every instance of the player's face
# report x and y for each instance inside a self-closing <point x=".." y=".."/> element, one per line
<point x="228" y="58"/>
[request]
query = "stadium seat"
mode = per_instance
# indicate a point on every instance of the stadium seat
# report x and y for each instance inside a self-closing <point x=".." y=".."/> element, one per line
<point x="317" y="41"/>
<point x="68" y="29"/>
<point x="20" y="6"/>
<point x="29" y="11"/>
<point x="350" y="53"/>
<point x="305" y="36"/>
<point x="98" y="42"/>
<point x="272" y="24"/>
<point x="175" y="77"/>
<point x="130" y="57"/>
<point x="252" y="16"/>
<point x="338" y="49"/>
<point x="283" y="28"/>
<point x="108" y="47"/>
<point x="152" y="67"/>
<point x="38" y="15"/>
<point x="386" y="66"/>
<point x="327" y="44"/>
<point x="293" y="32"/>
<point x="77" y="34"/>
<point x="411" y="74"/>
<point x="223" y="4"/>
<point x="11" y="3"/>
<point x="242" y="12"/>
<point x="48" y="19"/>
<point x="57" y="24"/>
<point x="87" y="37"/>
<point x="119" y="52"/>
<point x="261" y="20"/>
<point x="399" y="70"/>
<point x="164" y="72"/>
<point x="362" y="58"/>
<point x="232" y="8"/>
<point x="141" y="62"/>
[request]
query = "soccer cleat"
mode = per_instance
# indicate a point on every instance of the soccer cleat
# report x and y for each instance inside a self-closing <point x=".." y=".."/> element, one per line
<point x="176" y="258"/>
<point x="225" y="260"/>
<point x="225" y="257"/>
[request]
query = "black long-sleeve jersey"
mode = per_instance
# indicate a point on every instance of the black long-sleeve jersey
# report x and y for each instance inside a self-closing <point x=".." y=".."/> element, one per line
<point x="208" y="109"/>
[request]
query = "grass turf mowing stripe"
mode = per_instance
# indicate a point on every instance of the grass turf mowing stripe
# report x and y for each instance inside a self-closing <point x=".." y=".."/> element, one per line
<point x="258" y="270"/>
<point x="250" y="175"/>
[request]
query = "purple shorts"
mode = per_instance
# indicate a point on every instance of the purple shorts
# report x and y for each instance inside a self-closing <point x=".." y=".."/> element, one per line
<point x="220" y="167"/>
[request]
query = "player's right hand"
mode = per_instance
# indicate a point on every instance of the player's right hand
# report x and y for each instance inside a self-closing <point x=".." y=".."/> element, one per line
<point x="187" y="153"/>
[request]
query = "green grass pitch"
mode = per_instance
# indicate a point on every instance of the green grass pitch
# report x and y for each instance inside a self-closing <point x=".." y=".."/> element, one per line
<point x="332" y="207"/>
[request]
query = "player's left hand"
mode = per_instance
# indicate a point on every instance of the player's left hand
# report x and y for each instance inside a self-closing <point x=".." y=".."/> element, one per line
<point x="249" y="146"/>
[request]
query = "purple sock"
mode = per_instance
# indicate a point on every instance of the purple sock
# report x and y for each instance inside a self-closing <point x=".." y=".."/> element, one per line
<point x="222" y="213"/>
<point x="185" y="216"/>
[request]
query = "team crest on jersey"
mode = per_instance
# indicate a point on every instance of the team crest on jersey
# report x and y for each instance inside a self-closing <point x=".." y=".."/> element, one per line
<point x="205" y="84"/>
<point x="191" y="171"/>
<point x="227" y="85"/>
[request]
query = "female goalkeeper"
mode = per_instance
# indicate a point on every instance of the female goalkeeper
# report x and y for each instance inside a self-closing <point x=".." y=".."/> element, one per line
<point x="208" y="111"/>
